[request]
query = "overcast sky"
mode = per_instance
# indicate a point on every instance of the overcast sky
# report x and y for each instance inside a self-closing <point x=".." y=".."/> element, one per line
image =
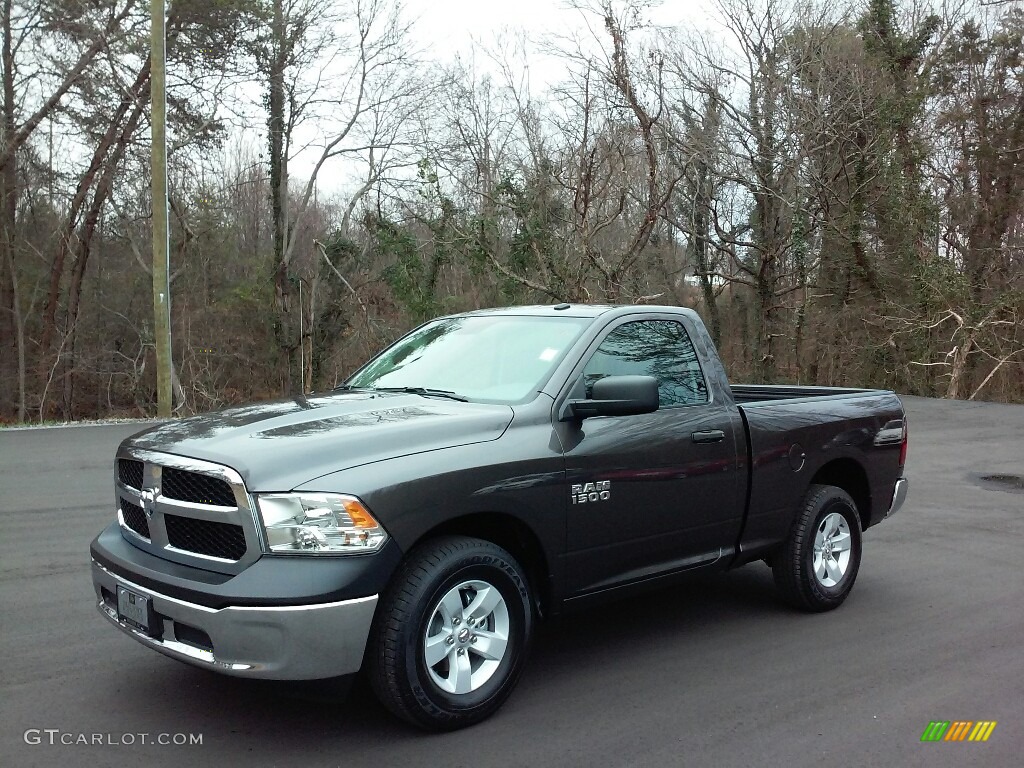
<point x="450" y="26"/>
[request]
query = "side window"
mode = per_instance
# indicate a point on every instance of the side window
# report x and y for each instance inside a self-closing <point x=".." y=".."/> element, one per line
<point x="659" y="348"/>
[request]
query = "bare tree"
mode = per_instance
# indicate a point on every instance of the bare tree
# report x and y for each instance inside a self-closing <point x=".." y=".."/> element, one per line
<point x="347" y="71"/>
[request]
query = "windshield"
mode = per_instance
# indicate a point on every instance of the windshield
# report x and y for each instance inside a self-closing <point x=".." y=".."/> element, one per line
<point x="489" y="358"/>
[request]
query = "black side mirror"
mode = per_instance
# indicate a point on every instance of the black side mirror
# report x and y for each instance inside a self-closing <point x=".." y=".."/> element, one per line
<point x="618" y="396"/>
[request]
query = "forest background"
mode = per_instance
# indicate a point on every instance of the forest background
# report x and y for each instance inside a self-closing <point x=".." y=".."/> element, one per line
<point x="837" y="189"/>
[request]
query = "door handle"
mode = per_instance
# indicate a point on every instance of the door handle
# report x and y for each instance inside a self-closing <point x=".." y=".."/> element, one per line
<point x="710" y="436"/>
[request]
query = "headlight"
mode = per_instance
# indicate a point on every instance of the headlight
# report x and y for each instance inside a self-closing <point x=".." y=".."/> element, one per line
<point x="319" y="522"/>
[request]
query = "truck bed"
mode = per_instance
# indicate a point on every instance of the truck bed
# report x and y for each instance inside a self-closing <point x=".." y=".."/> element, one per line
<point x="788" y="426"/>
<point x="766" y="394"/>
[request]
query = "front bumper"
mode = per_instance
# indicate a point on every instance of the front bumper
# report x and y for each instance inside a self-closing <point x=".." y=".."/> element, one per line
<point x="302" y="642"/>
<point x="899" y="495"/>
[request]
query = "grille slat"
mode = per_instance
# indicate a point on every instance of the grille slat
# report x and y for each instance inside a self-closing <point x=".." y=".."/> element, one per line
<point x="199" y="489"/>
<point x="205" y="537"/>
<point x="135" y="518"/>
<point x="129" y="472"/>
<point x="173" y="526"/>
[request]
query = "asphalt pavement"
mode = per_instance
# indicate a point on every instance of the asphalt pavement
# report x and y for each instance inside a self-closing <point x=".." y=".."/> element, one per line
<point x="715" y="673"/>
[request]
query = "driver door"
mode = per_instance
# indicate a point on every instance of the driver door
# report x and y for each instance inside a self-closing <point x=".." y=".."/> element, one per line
<point x="657" y="492"/>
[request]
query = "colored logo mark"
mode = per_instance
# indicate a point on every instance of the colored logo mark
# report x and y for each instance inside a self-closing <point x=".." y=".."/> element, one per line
<point x="958" y="730"/>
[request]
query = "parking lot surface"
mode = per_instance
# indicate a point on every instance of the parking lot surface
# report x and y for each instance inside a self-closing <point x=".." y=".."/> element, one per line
<point x="717" y="672"/>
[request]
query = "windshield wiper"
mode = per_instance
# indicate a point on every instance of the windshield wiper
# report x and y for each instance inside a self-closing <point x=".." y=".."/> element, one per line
<point x="425" y="391"/>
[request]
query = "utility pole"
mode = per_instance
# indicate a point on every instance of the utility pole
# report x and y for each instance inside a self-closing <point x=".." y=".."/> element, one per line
<point x="161" y="231"/>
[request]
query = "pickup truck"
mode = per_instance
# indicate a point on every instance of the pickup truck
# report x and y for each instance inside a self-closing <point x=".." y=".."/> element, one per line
<point x="486" y="470"/>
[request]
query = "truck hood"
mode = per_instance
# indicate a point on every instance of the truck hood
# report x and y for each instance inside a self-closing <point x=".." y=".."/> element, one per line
<point x="280" y="444"/>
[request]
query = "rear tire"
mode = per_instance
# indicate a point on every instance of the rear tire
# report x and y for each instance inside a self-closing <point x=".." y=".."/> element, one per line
<point x="817" y="566"/>
<point x="451" y="634"/>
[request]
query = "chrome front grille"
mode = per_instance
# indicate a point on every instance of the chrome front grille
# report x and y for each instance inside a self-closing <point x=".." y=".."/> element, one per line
<point x="186" y="510"/>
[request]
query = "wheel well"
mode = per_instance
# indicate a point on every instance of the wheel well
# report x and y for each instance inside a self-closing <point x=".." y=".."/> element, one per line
<point x="512" y="535"/>
<point x="851" y="477"/>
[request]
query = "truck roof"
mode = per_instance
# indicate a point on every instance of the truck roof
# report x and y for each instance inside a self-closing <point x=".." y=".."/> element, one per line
<point x="573" y="310"/>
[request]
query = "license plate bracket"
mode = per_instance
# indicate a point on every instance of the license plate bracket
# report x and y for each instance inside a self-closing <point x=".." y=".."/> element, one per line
<point x="136" y="610"/>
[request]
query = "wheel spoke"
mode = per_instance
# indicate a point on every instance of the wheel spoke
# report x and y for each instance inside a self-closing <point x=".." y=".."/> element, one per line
<point x="819" y="567"/>
<point x="833" y="569"/>
<point x="483" y="603"/>
<point x="490" y="645"/>
<point x="450" y="607"/>
<point x="461" y="673"/>
<point x="841" y="542"/>
<point x="436" y="648"/>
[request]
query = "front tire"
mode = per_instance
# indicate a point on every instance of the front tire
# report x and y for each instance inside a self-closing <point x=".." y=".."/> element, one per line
<point x="817" y="566"/>
<point x="451" y="634"/>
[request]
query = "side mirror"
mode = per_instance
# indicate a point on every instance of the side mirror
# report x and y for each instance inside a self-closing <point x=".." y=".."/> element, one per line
<point x="618" y="396"/>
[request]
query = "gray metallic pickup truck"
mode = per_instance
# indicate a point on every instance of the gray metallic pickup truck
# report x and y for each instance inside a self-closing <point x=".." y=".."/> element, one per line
<point x="486" y="470"/>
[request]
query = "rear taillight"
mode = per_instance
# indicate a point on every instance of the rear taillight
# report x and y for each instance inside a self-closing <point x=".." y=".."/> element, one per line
<point x="903" y="445"/>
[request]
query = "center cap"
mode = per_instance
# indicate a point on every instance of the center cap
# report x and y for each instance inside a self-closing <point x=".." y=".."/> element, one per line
<point x="463" y="635"/>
